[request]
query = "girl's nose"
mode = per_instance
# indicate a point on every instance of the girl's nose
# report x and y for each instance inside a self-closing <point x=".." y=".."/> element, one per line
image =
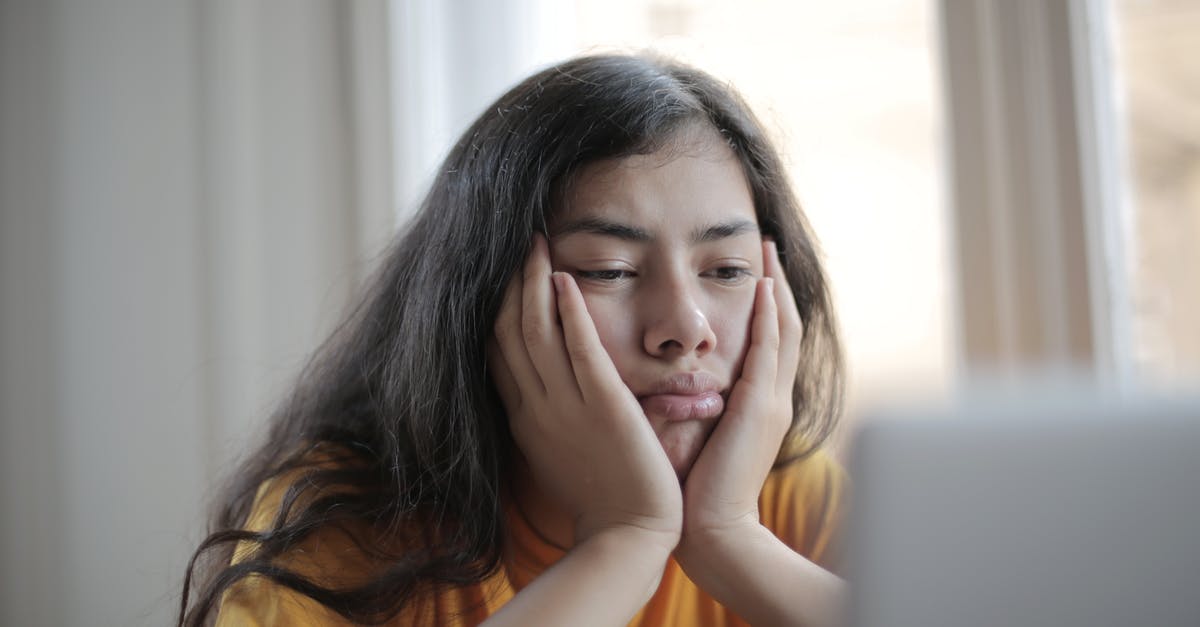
<point x="677" y="326"/>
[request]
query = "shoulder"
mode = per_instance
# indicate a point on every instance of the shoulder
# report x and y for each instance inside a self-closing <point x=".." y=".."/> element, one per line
<point x="340" y="555"/>
<point x="804" y="503"/>
<point x="282" y="497"/>
<point x="330" y="555"/>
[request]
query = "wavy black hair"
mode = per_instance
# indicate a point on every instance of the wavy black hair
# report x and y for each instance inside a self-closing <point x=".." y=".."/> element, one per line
<point x="399" y="397"/>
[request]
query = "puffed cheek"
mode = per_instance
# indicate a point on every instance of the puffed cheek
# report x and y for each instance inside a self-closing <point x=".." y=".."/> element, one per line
<point x="732" y="329"/>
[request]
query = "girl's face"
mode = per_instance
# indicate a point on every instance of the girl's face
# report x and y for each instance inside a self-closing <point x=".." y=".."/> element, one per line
<point x="667" y="250"/>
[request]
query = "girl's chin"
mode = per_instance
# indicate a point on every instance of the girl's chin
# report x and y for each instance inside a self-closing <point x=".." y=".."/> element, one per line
<point x="683" y="467"/>
<point x="683" y="442"/>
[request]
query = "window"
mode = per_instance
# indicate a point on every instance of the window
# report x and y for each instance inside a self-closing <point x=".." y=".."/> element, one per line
<point x="1158" y="88"/>
<point x="991" y="234"/>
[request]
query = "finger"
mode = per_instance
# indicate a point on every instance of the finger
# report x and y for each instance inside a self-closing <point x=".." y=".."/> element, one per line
<point x="750" y="432"/>
<point x="543" y="337"/>
<point x="762" y="360"/>
<point x="791" y="327"/>
<point x="593" y="368"/>
<point x="509" y="340"/>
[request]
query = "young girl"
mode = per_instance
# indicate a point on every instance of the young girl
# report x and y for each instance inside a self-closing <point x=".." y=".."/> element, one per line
<point x="587" y="386"/>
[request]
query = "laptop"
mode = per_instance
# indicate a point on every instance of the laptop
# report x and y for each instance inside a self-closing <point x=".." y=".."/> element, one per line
<point x="1055" y="510"/>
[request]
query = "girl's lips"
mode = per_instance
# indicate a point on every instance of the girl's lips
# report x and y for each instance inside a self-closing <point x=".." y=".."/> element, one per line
<point x="676" y="407"/>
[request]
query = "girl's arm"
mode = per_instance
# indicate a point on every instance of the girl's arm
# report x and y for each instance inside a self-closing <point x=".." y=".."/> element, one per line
<point x="755" y="574"/>
<point x="604" y="580"/>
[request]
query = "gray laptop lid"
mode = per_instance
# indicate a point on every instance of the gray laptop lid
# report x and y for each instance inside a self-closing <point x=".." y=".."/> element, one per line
<point x="1065" y="513"/>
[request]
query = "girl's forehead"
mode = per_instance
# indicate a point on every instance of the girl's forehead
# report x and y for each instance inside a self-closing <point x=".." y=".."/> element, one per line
<point x="684" y="182"/>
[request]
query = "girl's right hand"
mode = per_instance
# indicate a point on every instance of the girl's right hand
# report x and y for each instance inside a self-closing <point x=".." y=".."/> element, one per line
<point x="582" y="432"/>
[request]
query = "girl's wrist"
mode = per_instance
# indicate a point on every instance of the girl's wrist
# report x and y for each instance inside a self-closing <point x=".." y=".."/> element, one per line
<point x="651" y="541"/>
<point x="712" y="546"/>
<point x="639" y="554"/>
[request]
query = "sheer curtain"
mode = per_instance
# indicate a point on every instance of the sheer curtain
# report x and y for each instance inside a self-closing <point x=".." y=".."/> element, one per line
<point x="449" y="60"/>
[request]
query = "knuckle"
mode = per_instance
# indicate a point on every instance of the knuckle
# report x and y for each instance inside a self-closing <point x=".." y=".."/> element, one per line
<point x="580" y="351"/>
<point x="533" y="331"/>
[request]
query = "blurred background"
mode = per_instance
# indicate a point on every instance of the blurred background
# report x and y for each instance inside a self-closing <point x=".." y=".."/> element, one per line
<point x="193" y="190"/>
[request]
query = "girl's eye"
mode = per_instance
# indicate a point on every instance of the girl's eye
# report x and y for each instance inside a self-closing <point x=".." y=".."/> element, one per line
<point x="730" y="274"/>
<point x="605" y="276"/>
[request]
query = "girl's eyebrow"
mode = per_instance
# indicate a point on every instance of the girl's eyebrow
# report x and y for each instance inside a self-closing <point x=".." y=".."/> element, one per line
<point x="628" y="232"/>
<point x="600" y="226"/>
<point x="721" y="230"/>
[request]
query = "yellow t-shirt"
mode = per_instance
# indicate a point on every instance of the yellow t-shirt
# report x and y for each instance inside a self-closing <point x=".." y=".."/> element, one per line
<point x="801" y="503"/>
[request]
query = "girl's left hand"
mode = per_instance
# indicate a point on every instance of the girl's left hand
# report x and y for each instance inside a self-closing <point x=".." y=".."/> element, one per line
<point x="721" y="492"/>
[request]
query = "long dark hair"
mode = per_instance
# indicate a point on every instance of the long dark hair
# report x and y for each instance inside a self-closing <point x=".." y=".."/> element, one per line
<point x="398" y="402"/>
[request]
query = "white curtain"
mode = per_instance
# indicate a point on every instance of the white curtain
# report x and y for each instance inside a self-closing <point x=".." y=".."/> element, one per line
<point x="450" y="59"/>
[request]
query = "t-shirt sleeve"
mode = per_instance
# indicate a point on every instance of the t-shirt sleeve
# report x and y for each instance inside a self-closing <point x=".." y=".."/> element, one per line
<point x="258" y="602"/>
<point x="329" y="557"/>
<point x="333" y="557"/>
<point x="804" y="504"/>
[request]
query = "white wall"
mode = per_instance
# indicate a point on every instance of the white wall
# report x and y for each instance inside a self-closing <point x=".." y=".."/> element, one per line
<point x="190" y="192"/>
<point x="101" y="354"/>
<point x="31" y="511"/>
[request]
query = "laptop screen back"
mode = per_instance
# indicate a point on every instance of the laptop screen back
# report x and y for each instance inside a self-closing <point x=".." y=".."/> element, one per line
<point x="1065" y="514"/>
